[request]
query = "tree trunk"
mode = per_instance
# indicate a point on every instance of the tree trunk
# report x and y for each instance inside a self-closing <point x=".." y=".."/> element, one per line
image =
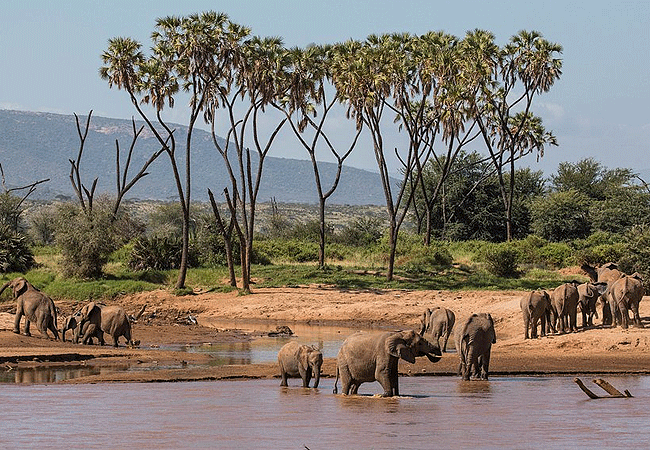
<point x="321" y="249"/>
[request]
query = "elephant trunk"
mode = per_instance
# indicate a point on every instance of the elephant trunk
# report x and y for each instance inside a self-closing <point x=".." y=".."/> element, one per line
<point x="317" y="377"/>
<point x="5" y="286"/>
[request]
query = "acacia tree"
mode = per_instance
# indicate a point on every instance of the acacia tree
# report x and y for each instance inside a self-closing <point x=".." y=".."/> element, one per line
<point x="253" y="80"/>
<point x="183" y="55"/>
<point x="307" y="106"/>
<point x="511" y="78"/>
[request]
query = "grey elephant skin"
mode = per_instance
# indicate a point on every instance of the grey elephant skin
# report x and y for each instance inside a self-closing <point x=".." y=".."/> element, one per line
<point x="624" y="295"/>
<point x="366" y="357"/>
<point x="438" y="324"/>
<point x="588" y="295"/>
<point x="564" y="300"/>
<point x="34" y="305"/>
<point x="108" y="319"/>
<point x="536" y="309"/>
<point x="296" y="360"/>
<point x="474" y="344"/>
<point x="607" y="273"/>
<point x="89" y="331"/>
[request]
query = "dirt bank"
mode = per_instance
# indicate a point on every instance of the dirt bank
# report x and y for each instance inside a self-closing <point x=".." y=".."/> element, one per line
<point x="168" y="322"/>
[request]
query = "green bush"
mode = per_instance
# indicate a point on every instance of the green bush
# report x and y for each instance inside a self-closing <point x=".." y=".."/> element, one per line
<point x="86" y="241"/>
<point x="159" y="253"/>
<point x="501" y="259"/>
<point x="362" y="232"/>
<point x="15" y="254"/>
<point x="425" y="260"/>
<point x="556" y="254"/>
<point x="289" y="250"/>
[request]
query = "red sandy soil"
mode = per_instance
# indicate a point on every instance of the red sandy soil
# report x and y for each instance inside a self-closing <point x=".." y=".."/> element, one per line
<point x="164" y="322"/>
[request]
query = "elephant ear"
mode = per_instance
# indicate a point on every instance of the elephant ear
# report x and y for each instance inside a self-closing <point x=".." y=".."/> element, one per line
<point x="399" y="345"/>
<point x="19" y="286"/>
<point x="87" y="310"/>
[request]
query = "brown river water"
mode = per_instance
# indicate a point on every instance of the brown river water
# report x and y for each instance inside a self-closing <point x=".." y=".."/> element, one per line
<point x="434" y="412"/>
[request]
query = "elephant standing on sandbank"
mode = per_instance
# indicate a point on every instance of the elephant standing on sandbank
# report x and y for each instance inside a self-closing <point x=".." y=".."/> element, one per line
<point x="564" y="301"/>
<point x="624" y="295"/>
<point x="607" y="273"/>
<point x="34" y="305"/>
<point x="536" y="308"/>
<point x="302" y="361"/>
<point x="588" y="295"/>
<point x="97" y="319"/>
<point x="438" y="322"/>
<point x="370" y="356"/>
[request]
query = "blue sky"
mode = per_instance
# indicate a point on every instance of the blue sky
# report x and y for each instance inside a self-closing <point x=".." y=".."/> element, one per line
<point x="50" y="56"/>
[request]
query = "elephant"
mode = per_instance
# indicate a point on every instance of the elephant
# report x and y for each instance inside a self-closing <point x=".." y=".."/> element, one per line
<point x="107" y="319"/>
<point x="536" y="307"/>
<point x="90" y="330"/>
<point x="34" y="305"/>
<point x="564" y="304"/>
<point x="374" y="356"/>
<point x="438" y="322"/>
<point x="588" y="295"/>
<point x="623" y="295"/>
<point x="300" y="360"/>
<point x="607" y="273"/>
<point x="474" y="344"/>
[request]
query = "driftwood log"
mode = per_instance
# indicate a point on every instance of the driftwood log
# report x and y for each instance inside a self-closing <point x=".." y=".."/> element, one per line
<point x="611" y="390"/>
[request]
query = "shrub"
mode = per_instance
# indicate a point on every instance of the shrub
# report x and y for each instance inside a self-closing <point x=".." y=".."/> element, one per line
<point x="556" y="254"/>
<point x="425" y="260"/>
<point x="86" y="241"/>
<point x="362" y="232"/>
<point x="290" y="250"/>
<point x="159" y="253"/>
<point x="15" y="254"/>
<point x="501" y="259"/>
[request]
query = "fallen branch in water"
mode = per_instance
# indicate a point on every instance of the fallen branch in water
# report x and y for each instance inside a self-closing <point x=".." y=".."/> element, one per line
<point x="611" y="390"/>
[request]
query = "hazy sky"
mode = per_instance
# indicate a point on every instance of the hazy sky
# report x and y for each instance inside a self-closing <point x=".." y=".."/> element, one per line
<point x="50" y="56"/>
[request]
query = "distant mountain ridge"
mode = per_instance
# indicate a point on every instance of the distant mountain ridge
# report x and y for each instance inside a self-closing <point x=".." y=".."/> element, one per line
<point x="36" y="146"/>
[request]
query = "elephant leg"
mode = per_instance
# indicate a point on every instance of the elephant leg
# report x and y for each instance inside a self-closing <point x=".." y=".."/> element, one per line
<point x="306" y="379"/>
<point x="607" y="314"/>
<point x="115" y="338"/>
<point x="444" y="343"/>
<point x="27" y="323"/>
<point x="17" y="318"/>
<point x="384" y="377"/>
<point x="637" y="317"/>
<point x="485" y="365"/>
<point x="354" y="388"/>
<point x="533" y="328"/>
<point x="527" y="326"/>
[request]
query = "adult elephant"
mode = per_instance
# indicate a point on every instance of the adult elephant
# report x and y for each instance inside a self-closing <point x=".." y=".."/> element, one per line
<point x="624" y="295"/>
<point x="607" y="273"/>
<point x="536" y="308"/>
<point x="366" y="357"/>
<point x="588" y="295"/>
<point x="438" y="322"/>
<point x="109" y="319"/>
<point x="564" y="303"/>
<point x="474" y="344"/>
<point x="300" y="360"/>
<point x="34" y="305"/>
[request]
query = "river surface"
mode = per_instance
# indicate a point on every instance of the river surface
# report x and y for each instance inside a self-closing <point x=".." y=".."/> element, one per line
<point x="435" y="412"/>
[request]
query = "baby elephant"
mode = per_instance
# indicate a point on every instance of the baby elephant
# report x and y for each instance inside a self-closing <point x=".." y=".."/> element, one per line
<point x="300" y="360"/>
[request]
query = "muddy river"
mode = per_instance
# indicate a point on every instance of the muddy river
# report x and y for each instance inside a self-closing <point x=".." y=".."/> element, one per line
<point x="436" y="412"/>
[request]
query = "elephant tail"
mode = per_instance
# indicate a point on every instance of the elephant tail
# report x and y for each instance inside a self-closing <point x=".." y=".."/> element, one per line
<point x="336" y="390"/>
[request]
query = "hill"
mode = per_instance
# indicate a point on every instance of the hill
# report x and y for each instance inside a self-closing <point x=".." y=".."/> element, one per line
<point x="35" y="146"/>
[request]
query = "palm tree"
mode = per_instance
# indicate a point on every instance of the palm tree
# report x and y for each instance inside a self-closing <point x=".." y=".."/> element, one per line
<point x="511" y="78"/>
<point x="307" y="107"/>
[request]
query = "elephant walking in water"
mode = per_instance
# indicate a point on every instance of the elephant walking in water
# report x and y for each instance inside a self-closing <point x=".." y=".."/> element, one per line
<point x="366" y="357"/>
<point x="474" y="343"/>
<point x="438" y="322"/>
<point x="300" y="360"/>
<point x="34" y="305"/>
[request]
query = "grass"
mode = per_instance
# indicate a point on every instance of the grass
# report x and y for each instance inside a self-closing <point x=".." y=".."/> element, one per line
<point x="347" y="274"/>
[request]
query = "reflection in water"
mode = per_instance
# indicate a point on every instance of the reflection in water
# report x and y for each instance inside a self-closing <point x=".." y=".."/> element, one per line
<point x="436" y="412"/>
<point x="473" y="387"/>
<point x="50" y="374"/>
